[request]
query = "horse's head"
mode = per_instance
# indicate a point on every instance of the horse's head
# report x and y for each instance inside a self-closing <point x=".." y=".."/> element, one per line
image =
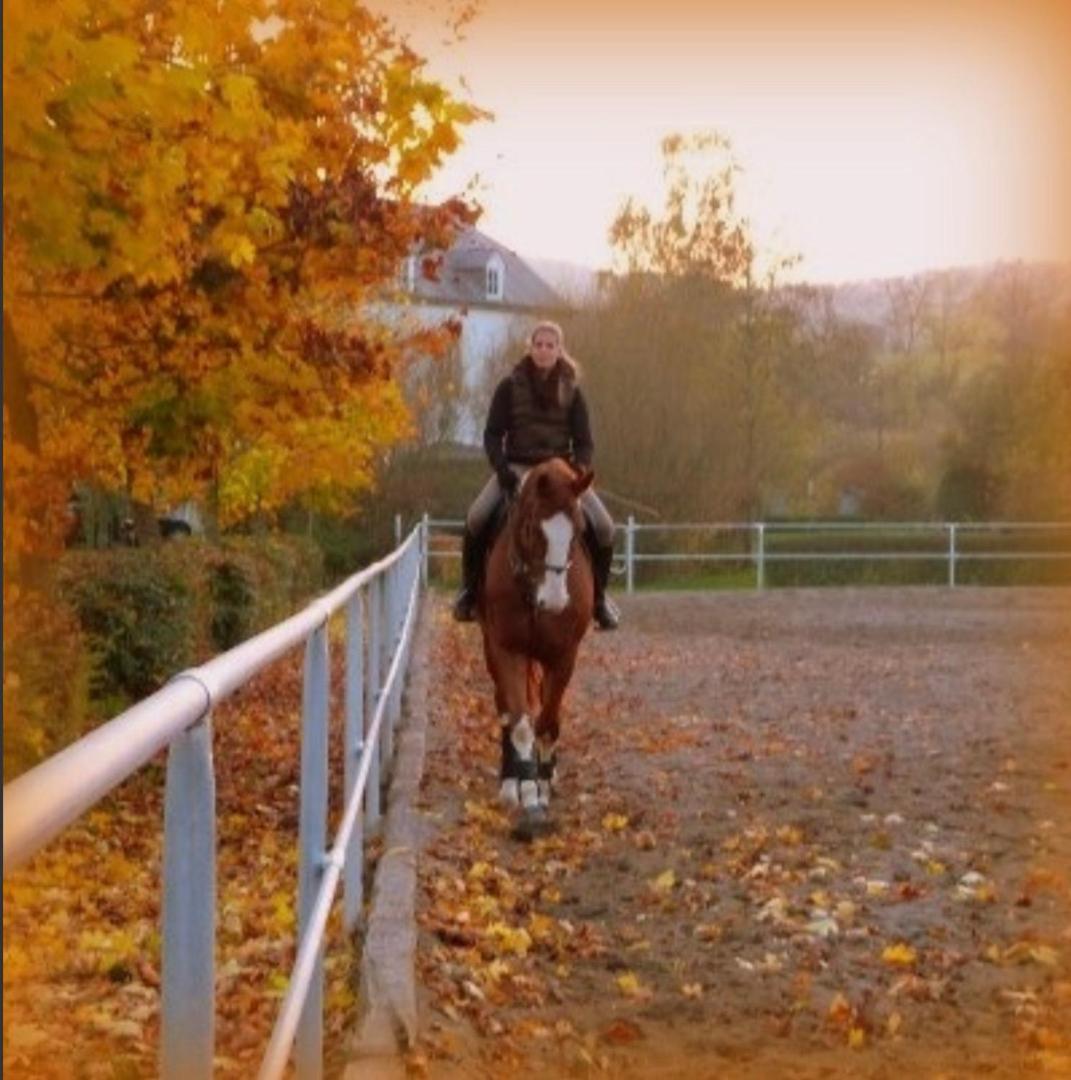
<point x="549" y="521"/>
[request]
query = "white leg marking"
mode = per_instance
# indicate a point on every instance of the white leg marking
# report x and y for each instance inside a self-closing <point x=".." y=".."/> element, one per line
<point x="529" y="794"/>
<point x="523" y="737"/>
<point x="553" y="592"/>
<point x="544" y="793"/>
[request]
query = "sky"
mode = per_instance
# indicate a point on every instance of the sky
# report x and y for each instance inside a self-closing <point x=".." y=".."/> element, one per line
<point x="875" y="138"/>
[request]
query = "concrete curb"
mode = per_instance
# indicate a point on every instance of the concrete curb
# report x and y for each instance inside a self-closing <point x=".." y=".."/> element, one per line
<point x="387" y="1020"/>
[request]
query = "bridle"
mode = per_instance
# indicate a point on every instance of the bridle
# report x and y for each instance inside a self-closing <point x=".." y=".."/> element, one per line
<point x="529" y="571"/>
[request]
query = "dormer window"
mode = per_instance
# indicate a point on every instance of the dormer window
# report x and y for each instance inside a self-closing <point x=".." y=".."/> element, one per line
<point x="496" y="278"/>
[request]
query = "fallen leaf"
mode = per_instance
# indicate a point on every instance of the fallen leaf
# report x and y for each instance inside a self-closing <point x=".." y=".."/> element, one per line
<point x="510" y="940"/>
<point x="840" y="1010"/>
<point x="708" y="932"/>
<point x="1045" y="954"/>
<point x="622" y="1032"/>
<point x="823" y="927"/>
<point x="791" y="835"/>
<point x="631" y="986"/>
<point x="899" y="955"/>
<point x="664" y="882"/>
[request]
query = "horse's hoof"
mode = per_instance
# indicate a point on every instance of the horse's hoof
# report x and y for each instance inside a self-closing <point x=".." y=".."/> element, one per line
<point x="533" y="822"/>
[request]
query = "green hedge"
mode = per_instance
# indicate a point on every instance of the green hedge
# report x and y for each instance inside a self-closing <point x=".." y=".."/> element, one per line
<point x="139" y="616"/>
<point x="149" y="612"/>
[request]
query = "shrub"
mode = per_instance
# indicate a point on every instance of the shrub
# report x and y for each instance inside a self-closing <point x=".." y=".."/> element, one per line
<point x="140" y="617"/>
<point x="147" y="613"/>
<point x="255" y="581"/>
<point x="232" y="604"/>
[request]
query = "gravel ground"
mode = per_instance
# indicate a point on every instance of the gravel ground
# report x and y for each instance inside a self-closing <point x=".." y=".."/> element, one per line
<point x="799" y="833"/>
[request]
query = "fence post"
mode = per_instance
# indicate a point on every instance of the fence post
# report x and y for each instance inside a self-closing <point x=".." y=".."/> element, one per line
<point x="760" y="555"/>
<point x="189" y="915"/>
<point x="308" y="1046"/>
<point x="390" y="645"/>
<point x="353" y="895"/>
<point x="372" y="687"/>
<point x="425" y="543"/>
<point x="397" y="530"/>
<point x="630" y="554"/>
<point x="951" y="556"/>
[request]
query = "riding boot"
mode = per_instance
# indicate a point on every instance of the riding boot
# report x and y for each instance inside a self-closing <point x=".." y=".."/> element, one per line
<point x="607" y="616"/>
<point x="472" y="552"/>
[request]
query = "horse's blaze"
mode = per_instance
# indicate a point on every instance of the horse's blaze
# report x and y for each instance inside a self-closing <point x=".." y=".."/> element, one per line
<point x="553" y="591"/>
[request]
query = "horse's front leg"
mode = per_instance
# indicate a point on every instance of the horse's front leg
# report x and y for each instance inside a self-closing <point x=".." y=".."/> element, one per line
<point x="518" y="769"/>
<point x="555" y="681"/>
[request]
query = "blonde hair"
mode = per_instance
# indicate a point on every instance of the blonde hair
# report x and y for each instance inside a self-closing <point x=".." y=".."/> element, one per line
<point x="548" y="327"/>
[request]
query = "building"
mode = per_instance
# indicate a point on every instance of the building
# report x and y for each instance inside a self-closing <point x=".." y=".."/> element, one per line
<point x="496" y="297"/>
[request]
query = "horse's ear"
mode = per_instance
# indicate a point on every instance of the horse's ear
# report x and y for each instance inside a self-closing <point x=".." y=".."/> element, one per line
<point x="584" y="479"/>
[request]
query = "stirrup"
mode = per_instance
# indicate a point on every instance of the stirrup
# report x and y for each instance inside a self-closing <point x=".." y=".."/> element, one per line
<point x="607" y="617"/>
<point x="465" y="607"/>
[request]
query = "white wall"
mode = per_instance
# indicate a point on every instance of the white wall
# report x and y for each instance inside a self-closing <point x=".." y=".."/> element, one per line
<point x="484" y="333"/>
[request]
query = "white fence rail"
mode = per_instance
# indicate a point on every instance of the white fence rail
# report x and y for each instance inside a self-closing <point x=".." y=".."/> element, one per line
<point x="755" y="540"/>
<point x="380" y="605"/>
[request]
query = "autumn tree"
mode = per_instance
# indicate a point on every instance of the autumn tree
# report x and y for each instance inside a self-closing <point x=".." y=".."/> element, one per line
<point x="200" y="202"/>
<point x="690" y="349"/>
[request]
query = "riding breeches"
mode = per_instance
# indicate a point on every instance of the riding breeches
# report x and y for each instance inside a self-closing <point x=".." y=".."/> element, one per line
<point x="483" y="506"/>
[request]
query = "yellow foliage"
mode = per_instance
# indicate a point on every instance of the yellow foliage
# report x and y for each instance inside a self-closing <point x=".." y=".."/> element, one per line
<point x="629" y="985"/>
<point x="899" y="955"/>
<point x="665" y="882"/>
<point x="507" y="939"/>
<point x="614" y="822"/>
<point x="196" y="219"/>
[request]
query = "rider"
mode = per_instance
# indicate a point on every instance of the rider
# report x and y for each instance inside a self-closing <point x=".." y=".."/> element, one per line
<point x="537" y="412"/>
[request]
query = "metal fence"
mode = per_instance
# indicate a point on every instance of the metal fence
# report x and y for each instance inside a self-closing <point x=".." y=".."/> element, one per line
<point x="937" y="542"/>
<point x="380" y="606"/>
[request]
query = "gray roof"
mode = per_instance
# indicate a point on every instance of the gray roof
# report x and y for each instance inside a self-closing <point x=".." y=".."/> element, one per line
<point x="463" y="278"/>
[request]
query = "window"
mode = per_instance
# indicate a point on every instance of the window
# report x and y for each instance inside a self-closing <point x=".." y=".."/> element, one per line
<point x="496" y="273"/>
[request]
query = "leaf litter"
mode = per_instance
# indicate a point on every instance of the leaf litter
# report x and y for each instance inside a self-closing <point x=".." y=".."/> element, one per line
<point x="773" y="853"/>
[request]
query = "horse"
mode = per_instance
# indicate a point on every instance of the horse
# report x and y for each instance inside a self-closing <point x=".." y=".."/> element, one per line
<point x="534" y="608"/>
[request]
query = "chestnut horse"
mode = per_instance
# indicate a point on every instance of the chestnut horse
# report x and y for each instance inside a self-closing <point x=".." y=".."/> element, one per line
<point x="534" y="608"/>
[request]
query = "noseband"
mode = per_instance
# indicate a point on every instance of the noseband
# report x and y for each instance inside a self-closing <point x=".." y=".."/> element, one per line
<point x="529" y="571"/>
